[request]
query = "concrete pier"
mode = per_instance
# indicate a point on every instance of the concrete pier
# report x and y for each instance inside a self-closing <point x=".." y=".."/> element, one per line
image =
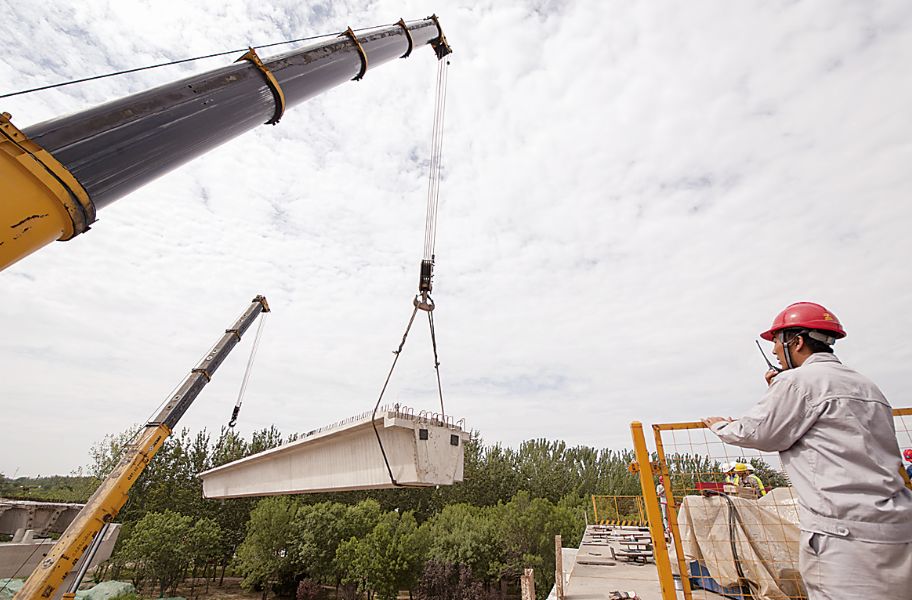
<point x="420" y="450"/>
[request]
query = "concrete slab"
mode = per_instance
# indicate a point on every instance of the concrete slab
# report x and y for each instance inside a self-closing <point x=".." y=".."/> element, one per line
<point x="422" y="450"/>
<point x="596" y="574"/>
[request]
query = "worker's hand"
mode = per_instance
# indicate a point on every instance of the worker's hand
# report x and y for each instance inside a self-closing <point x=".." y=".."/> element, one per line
<point x="770" y="375"/>
<point x="710" y="421"/>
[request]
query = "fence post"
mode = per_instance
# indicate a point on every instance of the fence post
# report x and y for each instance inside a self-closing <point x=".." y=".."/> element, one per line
<point x="672" y="509"/>
<point x="653" y="513"/>
<point x="558" y="567"/>
<point x="527" y="583"/>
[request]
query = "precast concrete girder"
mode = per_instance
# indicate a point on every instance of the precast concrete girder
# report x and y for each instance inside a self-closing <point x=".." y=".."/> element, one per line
<point x="421" y="450"/>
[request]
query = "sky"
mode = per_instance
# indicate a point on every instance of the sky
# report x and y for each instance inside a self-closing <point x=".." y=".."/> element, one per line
<point x="631" y="191"/>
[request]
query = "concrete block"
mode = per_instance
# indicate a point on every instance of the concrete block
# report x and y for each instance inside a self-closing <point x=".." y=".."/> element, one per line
<point x="19" y="559"/>
<point x="422" y="450"/>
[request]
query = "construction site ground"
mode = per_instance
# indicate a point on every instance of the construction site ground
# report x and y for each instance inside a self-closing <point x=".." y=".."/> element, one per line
<point x="594" y="573"/>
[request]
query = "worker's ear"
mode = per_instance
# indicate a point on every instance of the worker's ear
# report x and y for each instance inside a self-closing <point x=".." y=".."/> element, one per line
<point x="799" y="342"/>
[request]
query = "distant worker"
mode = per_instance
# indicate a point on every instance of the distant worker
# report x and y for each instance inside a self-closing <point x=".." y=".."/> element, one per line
<point x="907" y="454"/>
<point x="834" y="431"/>
<point x="728" y="469"/>
<point x="744" y="476"/>
<point x="663" y="501"/>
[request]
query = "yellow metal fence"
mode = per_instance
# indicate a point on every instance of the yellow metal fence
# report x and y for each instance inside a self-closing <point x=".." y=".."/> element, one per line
<point x="739" y="530"/>
<point x="624" y="511"/>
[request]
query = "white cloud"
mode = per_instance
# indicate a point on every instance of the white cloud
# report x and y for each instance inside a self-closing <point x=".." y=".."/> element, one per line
<point x="631" y="192"/>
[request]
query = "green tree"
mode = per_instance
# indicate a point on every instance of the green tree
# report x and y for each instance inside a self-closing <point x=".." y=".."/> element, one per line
<point x="320" y="528"/>
<point x="264" y="558"/>
<point x="158" y="547"/>
<point x="205" y="548"/>
<point x="388" y="559"/>
<point x="462" y="534"/>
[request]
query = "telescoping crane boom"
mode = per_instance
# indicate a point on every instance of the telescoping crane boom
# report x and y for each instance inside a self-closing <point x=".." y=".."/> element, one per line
<point x="111" y="495"/>
<point x="55" y="176"/>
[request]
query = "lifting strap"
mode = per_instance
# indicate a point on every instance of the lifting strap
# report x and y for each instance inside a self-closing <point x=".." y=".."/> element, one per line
<point x="423" y="300"/>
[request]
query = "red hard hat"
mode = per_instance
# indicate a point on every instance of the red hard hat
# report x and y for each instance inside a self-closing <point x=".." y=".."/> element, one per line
<point x="805" y="315"/>
<point x="907" y="454"/>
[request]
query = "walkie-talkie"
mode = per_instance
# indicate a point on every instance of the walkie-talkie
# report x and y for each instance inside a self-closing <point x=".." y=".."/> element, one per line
<point x="774" y="368"/>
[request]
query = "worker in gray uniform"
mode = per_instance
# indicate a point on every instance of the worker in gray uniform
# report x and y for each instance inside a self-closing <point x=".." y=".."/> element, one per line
<point x="834" y="431"/>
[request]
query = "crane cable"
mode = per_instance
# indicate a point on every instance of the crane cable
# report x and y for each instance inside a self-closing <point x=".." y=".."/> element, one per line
<point x="423" y="300"/>
<point x="253" y="350"/>
<point x="179" y="61"/>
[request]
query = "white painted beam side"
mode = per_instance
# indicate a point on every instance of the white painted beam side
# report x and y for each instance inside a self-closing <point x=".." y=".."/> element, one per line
<point x="348" y="457"/>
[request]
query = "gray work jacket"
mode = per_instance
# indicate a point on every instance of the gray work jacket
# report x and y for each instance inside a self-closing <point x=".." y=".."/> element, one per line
<point x="833" y="429"/>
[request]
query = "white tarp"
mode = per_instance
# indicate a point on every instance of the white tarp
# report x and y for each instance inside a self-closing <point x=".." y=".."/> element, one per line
<point x="765" y="534"/>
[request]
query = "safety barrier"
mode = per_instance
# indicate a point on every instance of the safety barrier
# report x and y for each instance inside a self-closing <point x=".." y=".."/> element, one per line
<point x="621" y="511"/>
<point x="739" y="531"/>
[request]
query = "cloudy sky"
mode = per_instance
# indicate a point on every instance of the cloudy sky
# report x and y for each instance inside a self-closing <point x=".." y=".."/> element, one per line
<point x="632" y="190"/>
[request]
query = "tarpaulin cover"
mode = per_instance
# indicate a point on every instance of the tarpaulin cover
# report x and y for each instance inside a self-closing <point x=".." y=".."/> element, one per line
<point x="765" y="535"/>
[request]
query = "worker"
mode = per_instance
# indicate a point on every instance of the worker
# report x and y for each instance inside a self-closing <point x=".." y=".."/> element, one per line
<point x="728" y="469"/>
<point x="834" y="431"/>
<point x="744" y="476"/>
<point x="907" y="455"/>
<point x="663" y="501"/>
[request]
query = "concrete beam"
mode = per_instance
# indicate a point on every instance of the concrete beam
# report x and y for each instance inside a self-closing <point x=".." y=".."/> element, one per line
<point x="422" y="450"/>
<point x="42" y="517"/>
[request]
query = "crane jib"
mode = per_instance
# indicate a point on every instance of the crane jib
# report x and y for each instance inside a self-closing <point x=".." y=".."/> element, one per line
<point x="55" y="175"/>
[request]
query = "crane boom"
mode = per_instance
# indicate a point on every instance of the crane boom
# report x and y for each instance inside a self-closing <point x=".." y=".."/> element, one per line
<point x="55" y="175"/>
<point x="112" y="494"/>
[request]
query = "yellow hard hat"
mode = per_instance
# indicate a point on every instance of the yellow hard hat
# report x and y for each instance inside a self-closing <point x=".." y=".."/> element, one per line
<point x="741" y="467"/>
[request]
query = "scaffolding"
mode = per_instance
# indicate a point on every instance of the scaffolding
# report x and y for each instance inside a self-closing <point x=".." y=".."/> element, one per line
<point x="725" y="533"/>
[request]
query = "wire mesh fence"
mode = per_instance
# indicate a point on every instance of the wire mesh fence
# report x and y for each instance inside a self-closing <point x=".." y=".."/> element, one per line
<point x="622" y="511"/>
<point x="729" y="513"/>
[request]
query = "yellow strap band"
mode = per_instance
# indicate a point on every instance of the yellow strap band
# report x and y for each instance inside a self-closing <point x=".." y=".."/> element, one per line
<point x="361" y="53"/>
<point x="408" y="36"/>
<point x="273" y="83"/>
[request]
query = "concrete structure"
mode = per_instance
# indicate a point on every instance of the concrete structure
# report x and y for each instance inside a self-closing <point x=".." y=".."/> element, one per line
<point x="421" y="450"/>
<point x="593" y="573"/>
<point x="19" y="558"/>
<point x="17" y="516"/>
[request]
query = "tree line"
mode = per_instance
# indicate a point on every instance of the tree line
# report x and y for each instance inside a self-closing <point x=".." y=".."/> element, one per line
<point x="482" y="531"/>
<point x="469" y="540"/>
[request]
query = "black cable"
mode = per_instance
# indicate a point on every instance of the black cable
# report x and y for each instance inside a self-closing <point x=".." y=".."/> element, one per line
<point x="175" y="62"/>
<point x="436" y="363"/>
<point x="733" y="518"/>
<point x="28" y="558"/>
<point x="396" y="352"/>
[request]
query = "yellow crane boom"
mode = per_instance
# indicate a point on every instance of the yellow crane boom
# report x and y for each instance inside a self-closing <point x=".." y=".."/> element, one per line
<point x="112" y="494"/>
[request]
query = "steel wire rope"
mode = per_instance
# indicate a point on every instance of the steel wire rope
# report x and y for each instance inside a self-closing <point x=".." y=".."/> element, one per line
<point x="176" y="62"/>
<point x="396" y="352"/>
<point x="16" y="572"/>
<point x="253" y="351"/>
<point x="430" y="225"/>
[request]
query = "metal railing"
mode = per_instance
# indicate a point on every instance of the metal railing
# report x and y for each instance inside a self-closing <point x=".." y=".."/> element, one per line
<point x="622" y="511"/>
<point x="739" y="532"/>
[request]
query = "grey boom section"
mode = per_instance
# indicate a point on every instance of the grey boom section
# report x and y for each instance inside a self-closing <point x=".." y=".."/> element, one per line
<point x="115" y="148"/>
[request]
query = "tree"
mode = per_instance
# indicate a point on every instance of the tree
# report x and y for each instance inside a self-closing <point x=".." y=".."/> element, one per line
<point x="466" y="535"/>
<point x="158" y="547"/>
<point x="320" y="528"/>
<point x="204" y="542"/>
<point x="387" y="559"/>
<point x="446" y="581"/>
<point x="308" y="589"/>
<point x="264" y="557"/>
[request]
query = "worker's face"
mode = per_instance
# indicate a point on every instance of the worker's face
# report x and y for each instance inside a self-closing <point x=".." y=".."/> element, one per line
<point x="779" y="349"/>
